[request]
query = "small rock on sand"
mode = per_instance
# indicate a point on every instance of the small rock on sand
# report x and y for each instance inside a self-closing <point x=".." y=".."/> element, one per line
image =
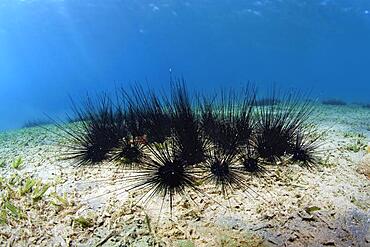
<point x="364" y="166"/>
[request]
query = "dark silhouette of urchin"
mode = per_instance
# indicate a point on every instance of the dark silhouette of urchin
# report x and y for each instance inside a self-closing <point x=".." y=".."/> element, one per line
<point x="134" y="122"/>
<point x="304" y="148"/>
<point x="251" y="164"/>
<point x="148" y="114"/>
<point x="278" y="124"/>
<point x="223" y="170"/>
<point x="163" y="174"/>
<point x="158" y="120"/>
<point x="228" y="124"/>
<point x="129" y="152"/>
<point x="97" y="129"/>
<point x="190" y="142"/>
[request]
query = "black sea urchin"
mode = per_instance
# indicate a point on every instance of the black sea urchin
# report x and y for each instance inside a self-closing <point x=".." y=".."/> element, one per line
<point x="163" y="174"/>
<point x="134" y="122"/>
<point x="147" y="115"/>
<point x="190" y="142"/>
<point x="97" y="130"/>
<point x="304" y="148"/>
<point x="250" y="162"/>
<point x="222" y="170"/>
<point x="129" y="152"/>
<point x="229" y="124"/>
<point x="277" y="125"/>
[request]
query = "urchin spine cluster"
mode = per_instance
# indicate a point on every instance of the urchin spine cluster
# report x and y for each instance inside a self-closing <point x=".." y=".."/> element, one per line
<point x="174" y="143"/>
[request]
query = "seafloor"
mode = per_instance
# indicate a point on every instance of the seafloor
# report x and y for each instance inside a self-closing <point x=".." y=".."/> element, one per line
<point x="47" y="202"/>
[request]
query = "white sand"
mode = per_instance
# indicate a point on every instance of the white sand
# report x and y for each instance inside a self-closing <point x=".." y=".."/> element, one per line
<point x="336" y="194"/>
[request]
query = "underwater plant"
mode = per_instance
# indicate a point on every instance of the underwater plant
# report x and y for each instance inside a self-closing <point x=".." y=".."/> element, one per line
<point x="99" y="130"/>
<point x="163" y="174"/>
<point x="190" y="142"/>
<point x="277" y="125"/>
<point x="18" y="163"/>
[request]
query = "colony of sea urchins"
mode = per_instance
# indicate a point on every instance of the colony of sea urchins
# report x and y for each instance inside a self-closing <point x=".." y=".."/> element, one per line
<point x="171" y="144"/>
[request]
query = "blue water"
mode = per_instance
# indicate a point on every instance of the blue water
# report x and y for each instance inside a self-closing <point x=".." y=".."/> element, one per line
<point x="50" y="49"/>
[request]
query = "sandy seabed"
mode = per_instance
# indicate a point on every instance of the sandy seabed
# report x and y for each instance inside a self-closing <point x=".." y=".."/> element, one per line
<point x="47" y="202"/>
